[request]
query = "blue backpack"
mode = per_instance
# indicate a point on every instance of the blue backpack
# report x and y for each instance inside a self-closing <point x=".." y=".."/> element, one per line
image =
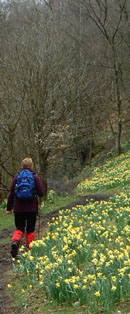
<point x="25" y="185"/>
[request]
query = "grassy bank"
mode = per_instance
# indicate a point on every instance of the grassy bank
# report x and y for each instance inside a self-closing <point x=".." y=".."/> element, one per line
<point x="82" y="262"/>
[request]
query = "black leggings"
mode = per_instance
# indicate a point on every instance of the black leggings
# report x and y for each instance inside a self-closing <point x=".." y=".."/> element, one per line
<point x="26" y="221"/>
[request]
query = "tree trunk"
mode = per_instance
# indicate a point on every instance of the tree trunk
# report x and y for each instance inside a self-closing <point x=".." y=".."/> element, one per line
<point x="118" y="97"/>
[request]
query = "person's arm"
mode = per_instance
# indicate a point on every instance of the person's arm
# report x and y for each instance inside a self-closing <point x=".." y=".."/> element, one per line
<point x="39" y="186"/>
<point x="10" y="200"/>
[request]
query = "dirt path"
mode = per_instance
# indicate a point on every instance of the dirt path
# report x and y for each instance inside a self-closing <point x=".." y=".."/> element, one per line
<point x="5" y="266"/>
<point x="6" y="304"/>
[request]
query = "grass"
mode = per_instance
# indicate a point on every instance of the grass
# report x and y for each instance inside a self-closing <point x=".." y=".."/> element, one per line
<point x="113" y="174"/>
<point x="6" y="220"/>
<point x="57" y="202"/>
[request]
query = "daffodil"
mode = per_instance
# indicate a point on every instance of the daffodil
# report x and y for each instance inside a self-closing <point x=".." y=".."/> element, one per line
<point x="97" y="294"/>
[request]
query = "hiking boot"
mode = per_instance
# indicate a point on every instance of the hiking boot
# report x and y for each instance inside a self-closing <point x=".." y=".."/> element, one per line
<point x="14" y="249"/>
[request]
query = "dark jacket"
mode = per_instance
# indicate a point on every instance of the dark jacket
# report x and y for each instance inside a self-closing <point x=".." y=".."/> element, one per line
<point x="24" y="205"/>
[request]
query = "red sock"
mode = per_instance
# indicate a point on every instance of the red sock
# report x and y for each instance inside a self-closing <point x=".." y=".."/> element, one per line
<point x="17" y="235"/>
<point x="29" y="238"/>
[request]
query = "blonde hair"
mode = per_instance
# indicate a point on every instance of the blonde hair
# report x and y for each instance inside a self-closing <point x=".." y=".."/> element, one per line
<point x="27" y="163"/>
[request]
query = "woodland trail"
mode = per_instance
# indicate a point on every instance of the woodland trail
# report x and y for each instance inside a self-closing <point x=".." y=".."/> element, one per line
<point x="5" y="266"/>
<point x="6" y="303"/>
